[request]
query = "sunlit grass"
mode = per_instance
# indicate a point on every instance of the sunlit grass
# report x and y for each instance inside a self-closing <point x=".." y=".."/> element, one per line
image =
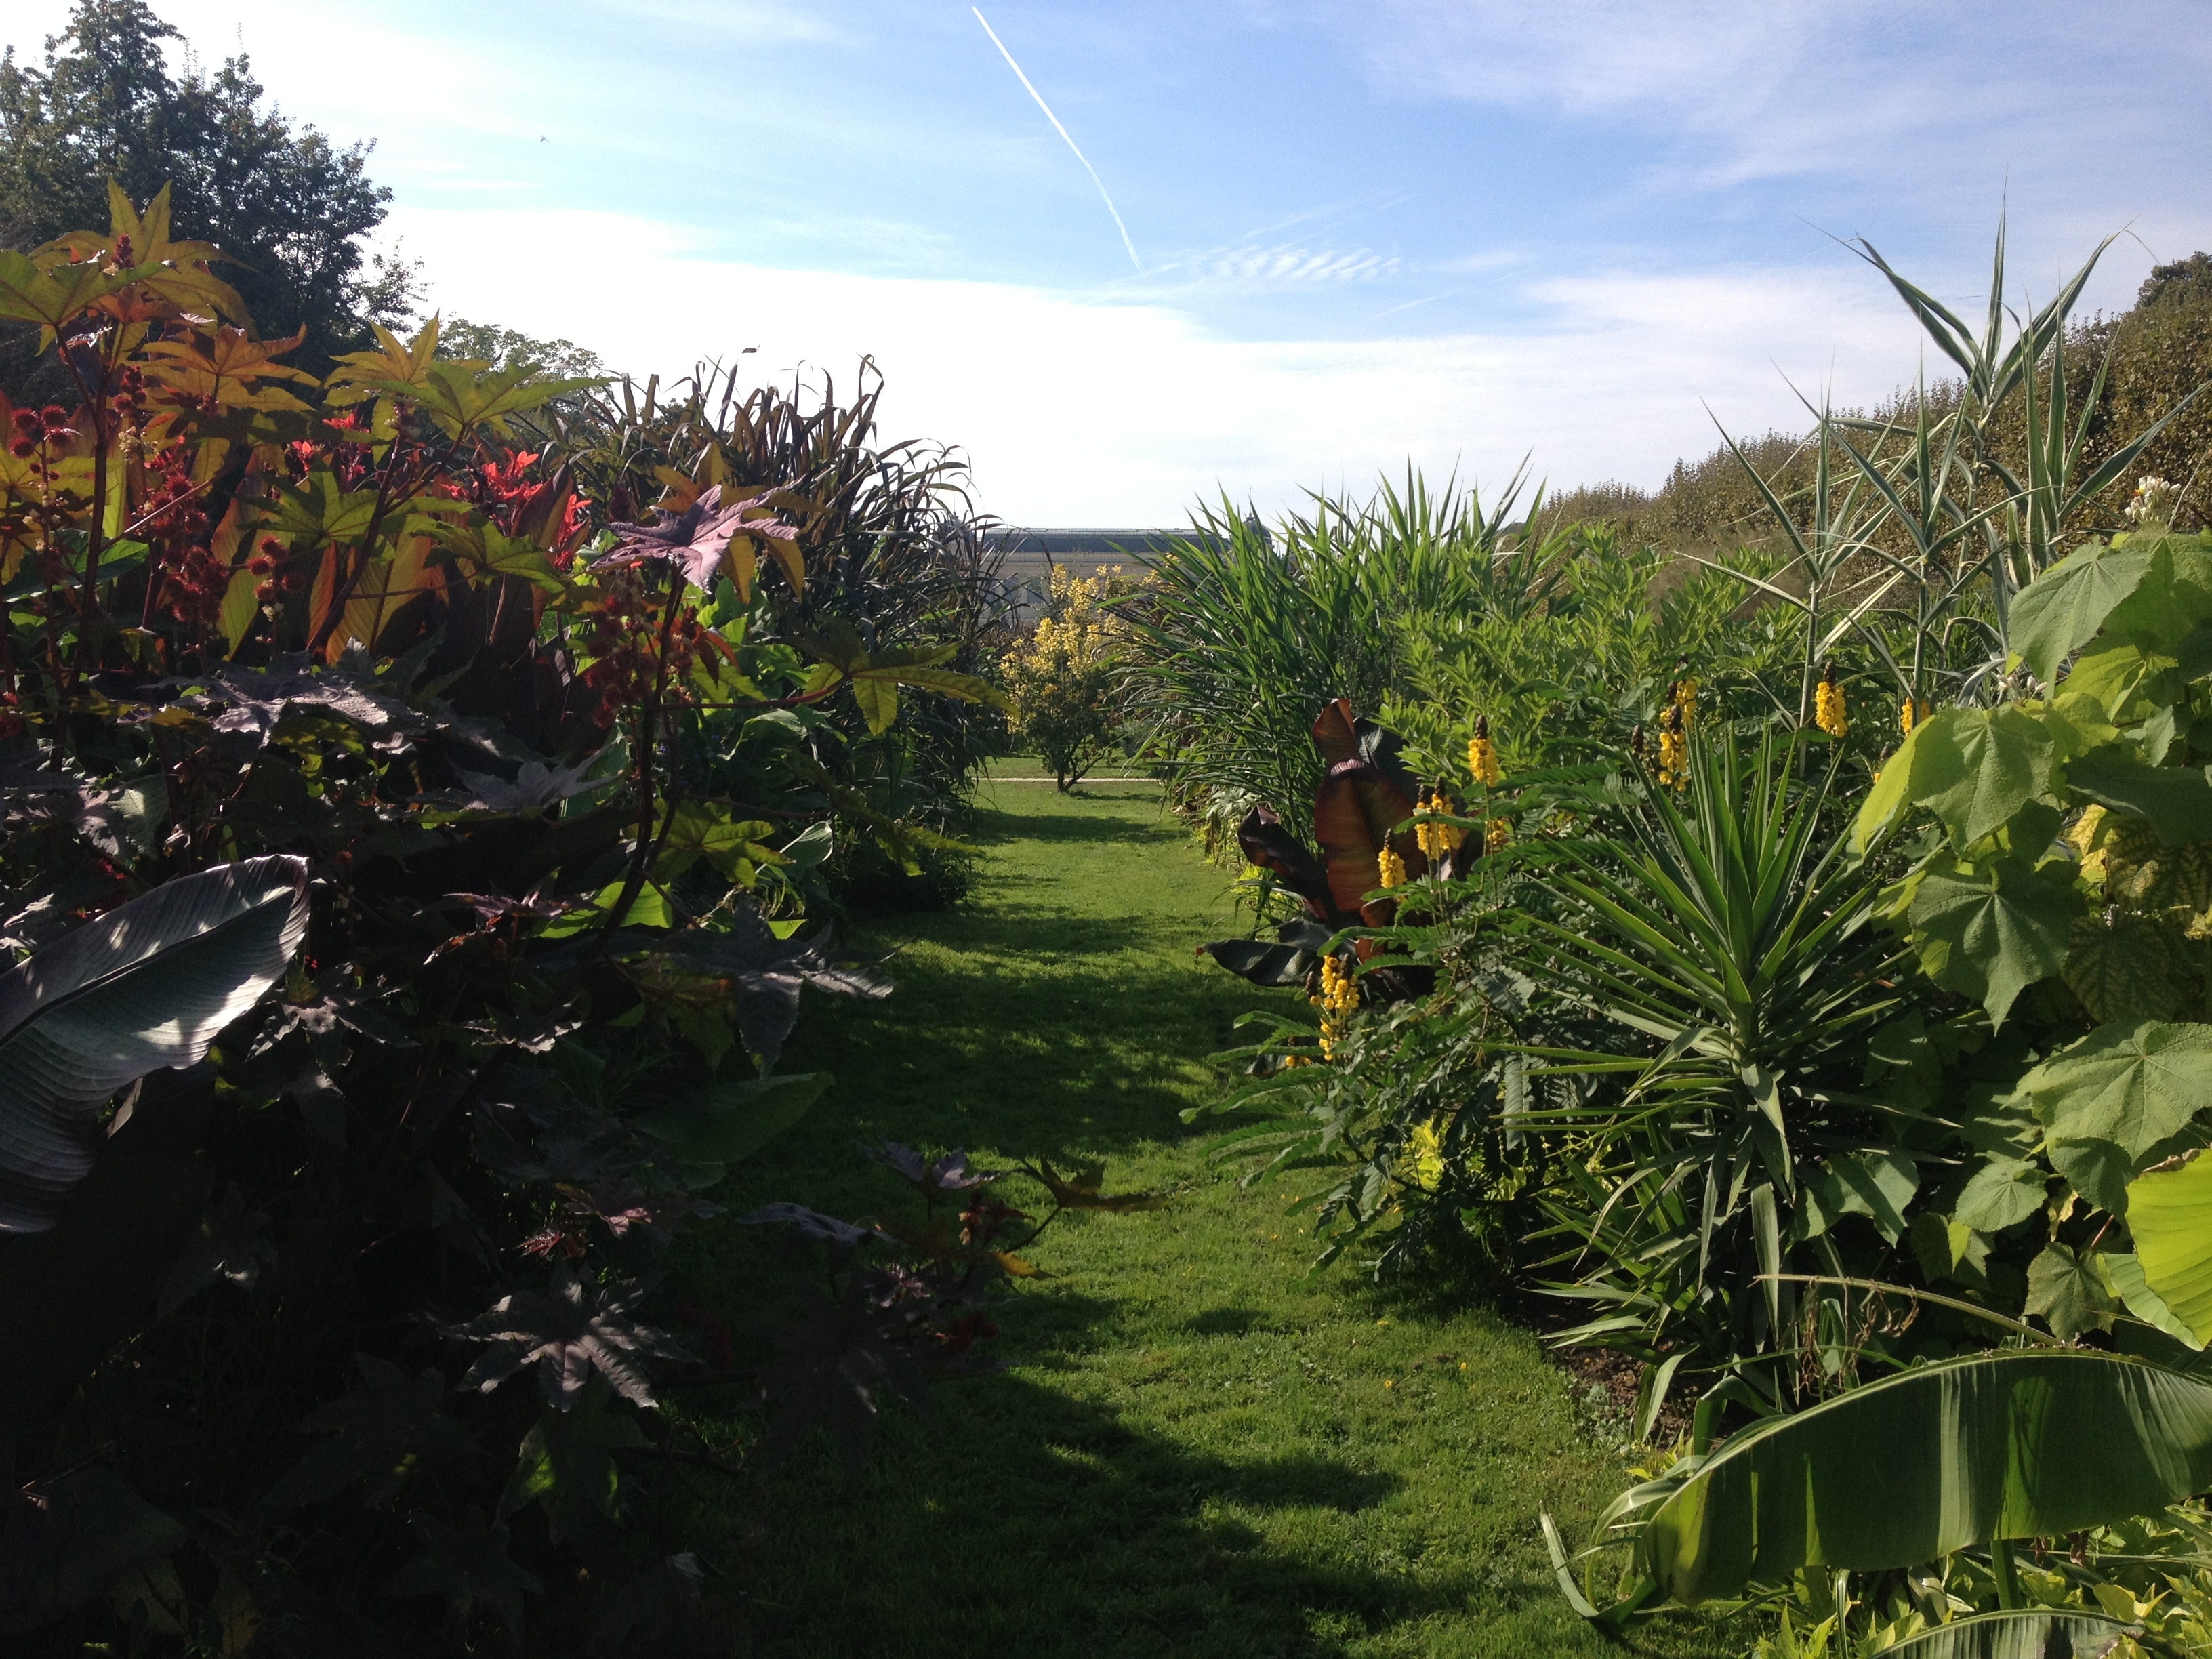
<point x="1196" y="1449"/>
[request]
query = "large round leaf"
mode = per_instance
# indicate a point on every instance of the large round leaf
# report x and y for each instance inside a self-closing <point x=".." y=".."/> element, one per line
<point x="2011" y="1445"/>
<point x="148" y="984"/>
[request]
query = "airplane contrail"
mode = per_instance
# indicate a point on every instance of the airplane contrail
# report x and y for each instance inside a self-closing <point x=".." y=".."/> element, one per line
<point x="1062" y="131"/>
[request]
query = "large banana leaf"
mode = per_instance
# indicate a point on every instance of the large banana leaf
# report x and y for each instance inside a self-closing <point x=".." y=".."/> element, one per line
<point x="2170" y="1212"/>
<point x="2006" y="1445"/>
<point x="148" y="984"/>
<point x="2040" y="1634"/>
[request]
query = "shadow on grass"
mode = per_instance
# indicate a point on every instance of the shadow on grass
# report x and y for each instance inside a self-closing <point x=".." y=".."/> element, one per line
<point x="1020" y="1521"/>
<point x="992" y="823"/>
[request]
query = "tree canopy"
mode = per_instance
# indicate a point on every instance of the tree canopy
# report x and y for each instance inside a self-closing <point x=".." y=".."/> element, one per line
<point x="284" y="202"/>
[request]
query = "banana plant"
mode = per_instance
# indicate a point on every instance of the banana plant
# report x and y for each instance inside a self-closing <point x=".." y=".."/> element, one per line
<point x="148" y="984"/>
<point x="1364" y="807"/>
<point x="1965" y="1453"/>
<point x="2035" y="1633"/>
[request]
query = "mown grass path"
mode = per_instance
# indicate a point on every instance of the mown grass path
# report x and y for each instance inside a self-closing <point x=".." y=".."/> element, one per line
<point x="1196" y="1449"/>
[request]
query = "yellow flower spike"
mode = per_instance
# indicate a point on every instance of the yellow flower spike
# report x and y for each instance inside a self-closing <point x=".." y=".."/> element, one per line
<point x="1496" y="835"/>
<point x="1828" y="703"/>
<point x="1482" y="755"/>
<point x="1686" y="699"/>
<point x="1338" y="999"/>
<point x="1393" y="868"/>
<point x="1912" y="714"/>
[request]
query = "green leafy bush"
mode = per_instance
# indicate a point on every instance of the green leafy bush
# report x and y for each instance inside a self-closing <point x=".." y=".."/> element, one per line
<point x="450" y="826"/>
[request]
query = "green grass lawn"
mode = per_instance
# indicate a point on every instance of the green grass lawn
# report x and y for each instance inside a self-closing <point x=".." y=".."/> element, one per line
<point x="1196" y="1448"/>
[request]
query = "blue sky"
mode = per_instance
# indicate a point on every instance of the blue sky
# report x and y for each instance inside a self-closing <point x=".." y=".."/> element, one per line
<point x="1454" y="233"/>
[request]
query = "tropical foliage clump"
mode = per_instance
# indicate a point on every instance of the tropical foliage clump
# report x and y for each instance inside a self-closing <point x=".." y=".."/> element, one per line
<point x="1824" y="1017"/>
<point x="414" y="846"/>
<point x="1064" y="680"/>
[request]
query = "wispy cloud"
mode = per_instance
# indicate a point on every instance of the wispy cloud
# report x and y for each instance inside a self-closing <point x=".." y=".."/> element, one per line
<point x="1286" y="265"/>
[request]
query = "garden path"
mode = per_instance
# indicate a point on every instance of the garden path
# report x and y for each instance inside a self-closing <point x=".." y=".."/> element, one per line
<point x="1196" y="1448"/>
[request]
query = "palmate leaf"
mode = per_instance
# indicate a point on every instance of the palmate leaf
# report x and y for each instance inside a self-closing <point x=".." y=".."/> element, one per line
<point x="1990" y="931"/>
<point x="568" y="1332"/>
<point x="148" y="984"/>
<point x="2069" y="1291"/>
<point x="2170" y="1212"/>
<point x="2135" y="1086"/>
<point x="2127" y="967"/>
<point x="1975" y="767"/>
<point x="2177" y="800"/>
<point x="1899" y="1472"/>
<point x="2062" y="610"/>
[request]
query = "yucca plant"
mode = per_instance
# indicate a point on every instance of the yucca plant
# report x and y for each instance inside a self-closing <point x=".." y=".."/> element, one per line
<point x="1721" y="938"/>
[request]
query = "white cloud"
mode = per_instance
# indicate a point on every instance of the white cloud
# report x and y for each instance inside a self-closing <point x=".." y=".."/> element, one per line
<point x="1077" y="410"/>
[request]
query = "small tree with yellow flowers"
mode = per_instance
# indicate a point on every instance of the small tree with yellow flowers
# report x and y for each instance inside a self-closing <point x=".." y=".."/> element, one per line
<point x="1064" y="679"/>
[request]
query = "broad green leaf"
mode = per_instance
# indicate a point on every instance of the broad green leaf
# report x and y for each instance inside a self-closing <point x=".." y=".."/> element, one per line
<point x="2076" y="724"/>
<point x="2116" y="673"/>
<point x="2170" y="1212"/>
<point x="2002" y="1193"/>
<point x="32" y="294"/>
<point x="945" y="681"/>
<point x="2141" y="873"/>
<point x="148" y="984"/>
<point x="485" y="548"/>
<point x="2177" y="800"/>
<point x="728" y="1122"/>
<point x="2172" y="599"/>
<point x="320" y="514"/>
<point x="1876" y="1185"/>
<point x="1989" y="932"/>
<point x="2124" y="1269"/>
<point x="1891" y="794"/>
<point x="648" y="909"/>
<point x="1901" y="1471"/>
<point x="2135" y="1085"/>
<point x="2127" y="967"/>
<point x="2068" y="1292"/>
<point x="2097" y="1170"/>
<point x="242" y="603"/>
<point x="705" y="829"/>
<point x="1975" y="767"/>
<point x="2028" y="1633"/>
<point x="878" y="700"/>
<point x="568" y="1465"/>
<point x="1948" y="1249"/>
<point x="2062" y="609"/>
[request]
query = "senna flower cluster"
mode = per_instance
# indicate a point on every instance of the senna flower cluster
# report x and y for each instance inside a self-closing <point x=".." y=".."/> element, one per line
<point x="1437" y="840"/>
<point x="1482" y="755"/>
<point x="1828" y="703"/>
<point x="1339" y="998"/>
<point x="1674" y="723"/>
<point x="1392" y="866"/>
<point x="1912" y="714"/>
